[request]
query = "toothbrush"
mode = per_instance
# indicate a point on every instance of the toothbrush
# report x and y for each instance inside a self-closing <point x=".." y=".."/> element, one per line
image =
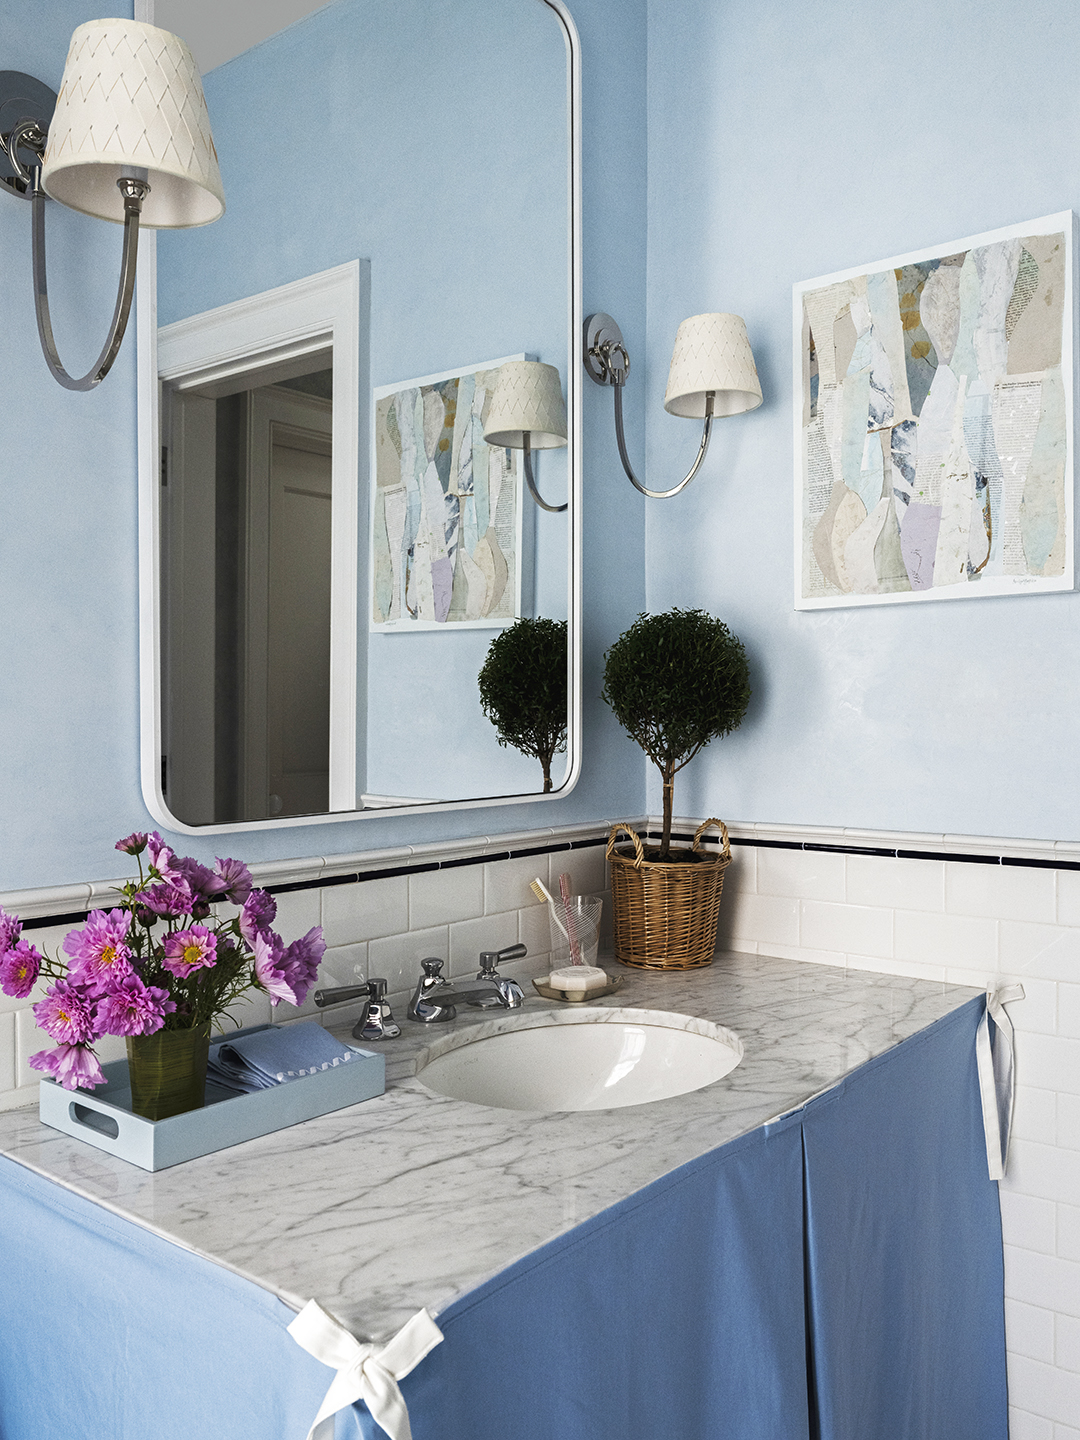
<point x="566" y="892"/>
<point x="541" y="892"/>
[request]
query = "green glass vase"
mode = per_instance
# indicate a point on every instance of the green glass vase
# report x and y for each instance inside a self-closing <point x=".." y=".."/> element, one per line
<point x="168" y="1071"/>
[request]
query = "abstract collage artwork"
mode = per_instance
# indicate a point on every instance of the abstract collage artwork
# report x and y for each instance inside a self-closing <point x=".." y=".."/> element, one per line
<point x="446" y="507"/>
<point x="933" y="423"/>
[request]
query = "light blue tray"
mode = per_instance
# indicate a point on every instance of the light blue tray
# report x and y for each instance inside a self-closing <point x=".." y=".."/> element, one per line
<point x="103" y="1117"/>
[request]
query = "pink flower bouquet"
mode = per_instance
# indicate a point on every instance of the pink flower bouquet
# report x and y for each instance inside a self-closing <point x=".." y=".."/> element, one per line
<point x="125" y="976"/>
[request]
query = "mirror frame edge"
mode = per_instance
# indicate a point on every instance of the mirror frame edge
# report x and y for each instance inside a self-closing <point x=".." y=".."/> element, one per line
<point x="148" y="451"/>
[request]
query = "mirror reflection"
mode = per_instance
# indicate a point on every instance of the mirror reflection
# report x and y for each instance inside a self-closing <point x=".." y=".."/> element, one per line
<point x="340" y="545"/>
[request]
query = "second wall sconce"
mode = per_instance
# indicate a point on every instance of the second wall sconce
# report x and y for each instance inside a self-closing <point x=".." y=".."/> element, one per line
<point x="712" y="373"/>
<point x="128" y="140"/>
<point x="527" y="413"/>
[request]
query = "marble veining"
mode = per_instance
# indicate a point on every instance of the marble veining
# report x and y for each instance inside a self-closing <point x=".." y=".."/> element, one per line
<point x="412" y="1199"/>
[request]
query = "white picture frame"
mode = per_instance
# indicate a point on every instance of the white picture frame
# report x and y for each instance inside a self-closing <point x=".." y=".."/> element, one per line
<point x="463" y="572"/>
<point x="939" y="464"/>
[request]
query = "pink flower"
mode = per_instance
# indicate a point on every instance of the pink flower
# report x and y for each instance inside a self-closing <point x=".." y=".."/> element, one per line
<point x="19" y="969"/>
<point x="259" y="909"/>
<point x="301" y="962"/>
<point x="75" y="1066"/>
<point x="170" y="899"/>
<point x="237" y="880"/>
<point x="66" y="1013"/>
<point x="10" y="930"/>
<point x="189" y="950"/>
<point x="99" y="952"/>
<point x="201" y="880"/>
<point x="270" y="967"/>
<point x="134" y="1008"/>
<point x="161" y="857"/>
<point x="133" y="844"/>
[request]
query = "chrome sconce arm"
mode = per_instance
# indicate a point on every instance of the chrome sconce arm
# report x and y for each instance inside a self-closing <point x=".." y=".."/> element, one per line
<point x="29" y="135"/>
<point x="533" y="491"/>
<point x="693" y="386"/>
<point x="527" y="413"/>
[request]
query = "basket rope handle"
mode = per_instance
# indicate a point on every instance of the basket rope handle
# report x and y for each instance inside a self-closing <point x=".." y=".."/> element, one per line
<point x="639" y="849"/>
<point x="725" y="853"/>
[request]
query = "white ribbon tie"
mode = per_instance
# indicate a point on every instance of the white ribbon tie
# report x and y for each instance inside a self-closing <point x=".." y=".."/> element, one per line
<point x="364" y="1372"/>
<point x="995" y="1062"/>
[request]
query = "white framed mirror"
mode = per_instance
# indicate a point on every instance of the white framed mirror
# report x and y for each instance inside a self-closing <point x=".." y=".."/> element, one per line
<point x="328" y="546"/>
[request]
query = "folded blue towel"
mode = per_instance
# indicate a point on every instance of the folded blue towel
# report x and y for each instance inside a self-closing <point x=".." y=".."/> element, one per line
<point x="275" y="1056"/>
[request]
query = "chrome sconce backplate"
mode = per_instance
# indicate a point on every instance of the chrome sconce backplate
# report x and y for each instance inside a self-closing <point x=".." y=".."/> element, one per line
<point x="602" y="337"/>
<point x="22" y="98"/>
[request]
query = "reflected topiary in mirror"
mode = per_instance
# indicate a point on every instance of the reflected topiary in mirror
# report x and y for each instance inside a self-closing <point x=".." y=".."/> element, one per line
<point x="676" y="681"/>
<point x="523" y="689"/>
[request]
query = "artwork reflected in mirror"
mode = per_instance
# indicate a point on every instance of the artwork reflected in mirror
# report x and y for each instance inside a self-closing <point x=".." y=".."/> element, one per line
<point x="338" y="544"/>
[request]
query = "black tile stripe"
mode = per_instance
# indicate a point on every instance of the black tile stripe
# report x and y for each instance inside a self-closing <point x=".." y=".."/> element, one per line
<point x="77" y="917"/>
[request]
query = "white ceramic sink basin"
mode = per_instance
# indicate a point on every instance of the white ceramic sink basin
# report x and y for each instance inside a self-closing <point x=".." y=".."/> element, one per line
<point x="597" y="1060"/>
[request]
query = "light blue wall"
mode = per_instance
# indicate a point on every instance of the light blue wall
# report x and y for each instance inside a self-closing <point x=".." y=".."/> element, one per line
<point x="69" y="779"/>
<point x="786" y="142"/>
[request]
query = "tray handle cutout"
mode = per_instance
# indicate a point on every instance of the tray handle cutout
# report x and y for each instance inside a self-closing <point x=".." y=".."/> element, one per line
<point x="94" y="1120"/>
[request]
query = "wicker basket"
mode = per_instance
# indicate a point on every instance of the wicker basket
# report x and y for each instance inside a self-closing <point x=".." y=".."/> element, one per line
<point x="665" y="914"/>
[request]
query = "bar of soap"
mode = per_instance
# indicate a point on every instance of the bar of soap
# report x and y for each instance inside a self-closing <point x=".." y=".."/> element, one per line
<point x="578" y="978"/>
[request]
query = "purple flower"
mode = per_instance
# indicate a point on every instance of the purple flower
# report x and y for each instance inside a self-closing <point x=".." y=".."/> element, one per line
<point x="133" y="1008"/>
<point x="19" y="969"/>
<point x="301" y="962"/>
<point x="75" y="1066"/>
<point x="189" y="950"/>
<point x="10" y="930"/>
<point x="161" y="857"/>
<point x="237" y="880"/>
<point x="201" y="880"/>
<point x="99" y="952"/>
<point x="66" y="1013"/>
<point x="170" y="899"/>
<point x="270" y="967"/>
<point x="259" y="909"/>
<point x="133" y="844"/>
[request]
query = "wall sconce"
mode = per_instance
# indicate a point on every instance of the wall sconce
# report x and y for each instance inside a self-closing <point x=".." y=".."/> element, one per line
<point x="527" y="413"/>
<point x="712" y="373"/>
<point x="127" y="139"/>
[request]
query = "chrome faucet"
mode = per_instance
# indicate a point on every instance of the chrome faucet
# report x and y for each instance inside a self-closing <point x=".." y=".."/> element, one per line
<point x="378" y="1022"/>
<point x="436" y="998"/>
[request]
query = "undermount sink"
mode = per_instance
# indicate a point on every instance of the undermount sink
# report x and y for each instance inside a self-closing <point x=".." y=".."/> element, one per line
<point x="600" y="1060"/>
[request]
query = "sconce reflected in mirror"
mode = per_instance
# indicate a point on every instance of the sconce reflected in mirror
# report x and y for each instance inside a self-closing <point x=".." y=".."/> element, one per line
<point x="712" y="373"/>
<point x="127" y="139"/>
<point x="528" y="413"/>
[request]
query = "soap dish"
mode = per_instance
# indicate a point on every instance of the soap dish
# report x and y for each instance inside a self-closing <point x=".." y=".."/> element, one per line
<point x="573" y="997"/>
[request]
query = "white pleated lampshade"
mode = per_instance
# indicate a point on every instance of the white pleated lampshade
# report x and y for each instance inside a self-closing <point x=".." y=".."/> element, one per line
<point x="131" y="101"/>
<point x="712" y="353"/>
<point x="527" y="400"/>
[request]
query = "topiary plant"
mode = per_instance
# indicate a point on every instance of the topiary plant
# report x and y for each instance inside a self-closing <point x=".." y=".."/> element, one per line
<point x="676" y="681"/>
<point x="523" y="688"/>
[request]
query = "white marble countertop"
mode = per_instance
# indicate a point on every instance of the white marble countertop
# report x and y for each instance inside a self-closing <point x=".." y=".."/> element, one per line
<point x="411" y="1199"/>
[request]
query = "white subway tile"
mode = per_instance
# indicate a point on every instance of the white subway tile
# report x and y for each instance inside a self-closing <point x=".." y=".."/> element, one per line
<point x="587" y="870"/>
<point x="1044" y="1389"/>
<point x="24" y="1098"/>
<point x="1066" y="1432"/>
<point x="397" y="957"/>
<point x="1068" y="1010"/>
<point x="836" y="958"/>
<point x="861" y="929"/>
<point x="534" y="927"/>
<point x="1025" y="1426"/>
<point x="944" y="939"/>
<point x="1044" y="1280"/>
<point x="1068" y="1121"/>
<point x="743" y="868"/>
<point x="251" y="1009"/>
<point x="1029" y="1331"/>
<point x="506" y="882"/>
<point x="1068" y="1230"/>
<point x="1028" y="1222"/>
<point x="1037" y="1013"/>
<point x="1035" y="1115"/>
<point x="1001" y="892"/>
<point x="911" y="968"/>
<point x="439" y="896"/>
<point x="297" y="912"/>
<point x="768" y="919"/>
<point x="1051" y="1062"/>
<point x="804" y="874"/>
<point x="7" y="1053"/>
<point x="1067" y="1342"/>
<point x="1043" y="1171"/>
<point x="1050" y="952"/>
<point x="487" y="932"/>
<point x="365" y="910"/>
<point x="898" y="884"/>
<point x="1068" y="897"/>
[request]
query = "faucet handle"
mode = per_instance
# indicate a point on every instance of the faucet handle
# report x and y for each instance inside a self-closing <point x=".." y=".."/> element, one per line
<point x="491" y="959"/>
<point x="431" y="968"/>
<point x="376" y="987"/>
